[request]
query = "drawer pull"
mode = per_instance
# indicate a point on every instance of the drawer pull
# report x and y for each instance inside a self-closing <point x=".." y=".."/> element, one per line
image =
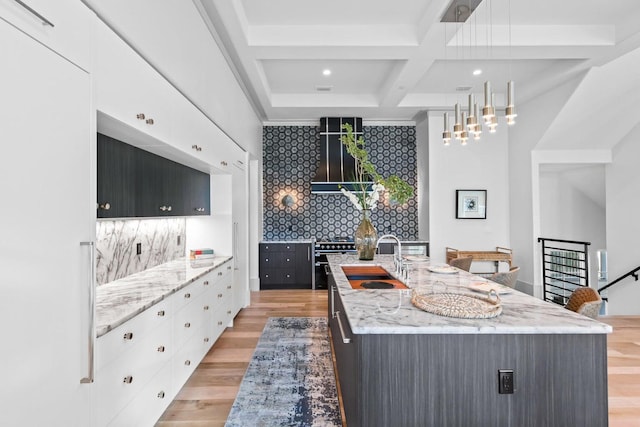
<point x="187" y="325"/>
<point x="161" y="313"/>
<point x="219" y="295"/>
<point x="206" y="283"/>
<point x="195" y="147"/>
<point x="187" y="295"/>
<point x="228" y="311"/>
<point x="220" y="323"/>
<point x="206" y="340"/>
<point x="161" y="395"/>
<point x="288" y="260"/>
<point x="149" y="121"/>
<point x="161" y="349"/>
<point x="128" y="379"/>
<point x="187" y="362"/>
<point x="128" y="336"/>
<point x="228" y="286"/>
<point x="206" y="307"/>
<point x="219" y="273"/>
<point x="288" y="276"/>
<point x="229" y="267"/>
<point x="140" y="116"/>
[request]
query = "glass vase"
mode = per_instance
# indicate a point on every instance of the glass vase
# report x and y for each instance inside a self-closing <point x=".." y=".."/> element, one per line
<point x="366" y="237"/>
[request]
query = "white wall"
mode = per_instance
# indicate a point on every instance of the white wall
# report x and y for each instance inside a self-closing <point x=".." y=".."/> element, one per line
<point x="623" y="226"/>
<point x="422" y="169"/>
<point x="568" y="213"/>
<point x="476" y="166"/>
<point x="534" y="118"/>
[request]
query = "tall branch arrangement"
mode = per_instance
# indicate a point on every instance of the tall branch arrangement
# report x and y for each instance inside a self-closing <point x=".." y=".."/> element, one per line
<point x="399" y="191"/>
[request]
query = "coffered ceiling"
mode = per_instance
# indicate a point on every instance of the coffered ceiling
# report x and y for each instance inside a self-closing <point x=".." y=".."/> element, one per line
<point x="392" y="60"/>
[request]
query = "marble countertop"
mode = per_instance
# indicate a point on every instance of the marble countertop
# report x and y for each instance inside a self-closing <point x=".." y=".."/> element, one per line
<point x="391" y="311"/>
<point x="121" y="300"/>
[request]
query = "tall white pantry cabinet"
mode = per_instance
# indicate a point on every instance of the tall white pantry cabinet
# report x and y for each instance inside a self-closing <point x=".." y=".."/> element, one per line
<point x="58" y="87"/>
<point x="47" y="189"/>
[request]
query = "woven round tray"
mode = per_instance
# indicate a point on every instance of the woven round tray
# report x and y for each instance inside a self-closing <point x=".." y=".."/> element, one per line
<point x="462" y="306"/>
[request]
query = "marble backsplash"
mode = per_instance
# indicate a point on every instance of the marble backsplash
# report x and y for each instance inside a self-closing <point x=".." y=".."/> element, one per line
<point x="162" y="240"/>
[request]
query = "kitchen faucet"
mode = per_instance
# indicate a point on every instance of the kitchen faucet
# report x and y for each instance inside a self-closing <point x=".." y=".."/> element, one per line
<point x="397" y="260"/>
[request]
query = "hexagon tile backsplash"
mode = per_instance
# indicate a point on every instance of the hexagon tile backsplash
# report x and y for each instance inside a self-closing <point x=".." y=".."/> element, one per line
<point x="290" y="159"/>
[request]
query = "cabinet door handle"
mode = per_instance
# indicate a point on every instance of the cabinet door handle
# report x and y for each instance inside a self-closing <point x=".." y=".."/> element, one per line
<point x="219" y="323"/>
<point x="187" y="295"/>
<point x="228" y="286"/>
<point x="308" y="253"/>
<point x="220" y="273"/>
<point x="128" y="336"/>
<point x="345" y="340"/>
<point x="128" y="379"/>
<point x="206" y="307"/>
<point x="149" y="121"/>
<point x="91" y="312"/>
<point x="228" y="311"/>
<point x="161" y="313"/>
<point x="161" y="349"/>
<point x="333" y="313"/>
<point x="206" y="339"/>
<point x="161" y="395"/>
<point x="105" y="206"/>
<point x="187" y="362"/>
<point x="219" y="295"/>
<point x="206" y="283"/>
<point x="140" y="116"/>
<point x="187" y="325"/>
<point x="44" y="20"/>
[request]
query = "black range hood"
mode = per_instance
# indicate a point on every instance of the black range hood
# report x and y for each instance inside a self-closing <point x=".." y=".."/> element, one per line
<point x="337" y="168"/>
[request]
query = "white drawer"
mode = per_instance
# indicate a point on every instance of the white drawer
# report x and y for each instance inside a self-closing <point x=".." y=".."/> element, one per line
<point x="70" y="34"/>
<point x="118" y="341"/>
<point x="118" y="383"/>
<point x="186" y="321"/>
<point x="149" y="404"/>
<point x="186" y="360"/>
<point x="190" y="292"/>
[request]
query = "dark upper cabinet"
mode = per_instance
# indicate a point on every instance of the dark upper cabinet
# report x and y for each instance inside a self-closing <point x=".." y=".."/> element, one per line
<point x="116" y="178"/>
<point x="142" y="184"/>
<point x="197" y="192"/>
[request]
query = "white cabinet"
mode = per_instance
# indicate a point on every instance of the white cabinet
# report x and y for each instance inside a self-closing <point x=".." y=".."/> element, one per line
<point x="47" y="185"/>
<point x="62" y="25"/>
<point x="143" y="363"/>
<point x="240" y="214"/>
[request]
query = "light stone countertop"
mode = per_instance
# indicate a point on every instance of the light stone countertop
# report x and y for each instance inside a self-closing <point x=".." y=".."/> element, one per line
<point x="123" y="299"/>
<point x="391" y="311"/>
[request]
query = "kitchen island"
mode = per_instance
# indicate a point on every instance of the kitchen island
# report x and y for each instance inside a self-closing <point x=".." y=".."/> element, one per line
<point x="401" y="366"/>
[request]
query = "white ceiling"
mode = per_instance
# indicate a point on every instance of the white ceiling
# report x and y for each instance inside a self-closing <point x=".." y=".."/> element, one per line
<point x="392" y="60"/>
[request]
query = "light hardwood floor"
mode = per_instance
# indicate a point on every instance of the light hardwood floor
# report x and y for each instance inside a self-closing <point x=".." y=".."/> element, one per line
<point x="206" y="398"/>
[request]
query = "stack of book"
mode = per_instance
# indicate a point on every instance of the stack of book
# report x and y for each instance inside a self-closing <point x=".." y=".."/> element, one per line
<point x="201" y="253"/>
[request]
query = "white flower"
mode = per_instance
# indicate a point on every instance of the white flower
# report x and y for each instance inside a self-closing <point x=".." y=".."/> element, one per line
<point x="368" y="200"/>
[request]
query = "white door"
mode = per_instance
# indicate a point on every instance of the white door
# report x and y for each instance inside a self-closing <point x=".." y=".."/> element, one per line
<point x="46" y="191"/>
<point x="240" y="194"/>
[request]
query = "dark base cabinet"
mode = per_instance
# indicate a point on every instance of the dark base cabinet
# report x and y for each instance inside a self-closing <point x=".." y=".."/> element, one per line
<point x="285" y="265"/>
<point x="452" y="379"/>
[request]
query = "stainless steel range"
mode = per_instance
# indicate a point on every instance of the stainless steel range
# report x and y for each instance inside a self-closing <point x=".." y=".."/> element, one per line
<point x="324" y="246"/>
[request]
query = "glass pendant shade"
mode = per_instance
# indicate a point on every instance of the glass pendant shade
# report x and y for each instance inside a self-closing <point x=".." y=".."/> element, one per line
<point x="457" y="127"/>
<point x="446" y="134"/>
<point x="510" y="111"/>
<point x="488" y="111"/>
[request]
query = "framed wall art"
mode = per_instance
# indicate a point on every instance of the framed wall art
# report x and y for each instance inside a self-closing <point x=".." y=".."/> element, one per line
<point x="471" y="204"/>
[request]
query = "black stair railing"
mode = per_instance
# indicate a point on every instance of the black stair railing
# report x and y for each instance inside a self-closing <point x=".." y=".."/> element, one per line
<point x="633" y="273"/>
<point x="565" y="267"/>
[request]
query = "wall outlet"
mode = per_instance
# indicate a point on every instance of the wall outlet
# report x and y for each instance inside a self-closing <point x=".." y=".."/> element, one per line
<point x="505" y="381"/>
<point x="138" y="248"/>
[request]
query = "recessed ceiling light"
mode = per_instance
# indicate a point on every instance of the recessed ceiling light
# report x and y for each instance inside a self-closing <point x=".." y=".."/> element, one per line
<point x="477" y="72"/>
<point x="326" y="72"/>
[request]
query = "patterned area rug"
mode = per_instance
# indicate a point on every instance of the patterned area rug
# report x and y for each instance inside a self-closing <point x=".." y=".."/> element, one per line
<point x="290" y="380"/>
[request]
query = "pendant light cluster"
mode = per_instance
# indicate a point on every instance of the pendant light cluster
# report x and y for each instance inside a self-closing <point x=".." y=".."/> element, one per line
<point x="469" y="123"/>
